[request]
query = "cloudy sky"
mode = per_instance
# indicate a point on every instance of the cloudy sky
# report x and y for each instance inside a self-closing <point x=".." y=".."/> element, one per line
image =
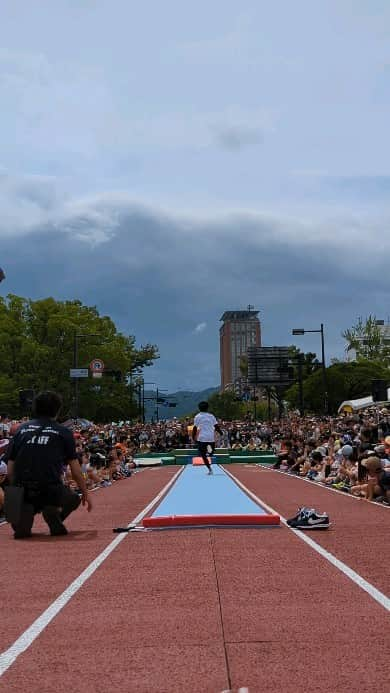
<point x="168" y="161"/>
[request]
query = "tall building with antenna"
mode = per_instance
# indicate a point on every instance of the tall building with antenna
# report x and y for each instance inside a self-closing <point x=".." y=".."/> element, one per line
<point x="239" y="330"/>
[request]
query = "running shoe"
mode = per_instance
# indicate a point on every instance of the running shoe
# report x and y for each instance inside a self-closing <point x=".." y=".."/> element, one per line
<point x="300" y="513"/>
<point x="309" y="518"/>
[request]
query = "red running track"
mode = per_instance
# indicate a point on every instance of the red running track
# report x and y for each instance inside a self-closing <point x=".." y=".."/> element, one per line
<point x="201" y="610"/>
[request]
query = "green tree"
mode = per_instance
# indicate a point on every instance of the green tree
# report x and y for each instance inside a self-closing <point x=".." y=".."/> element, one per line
<point x="37" y="351"/>
<point x="224" y="405"/>
<point x="310" y="362"/>
<point x="366" y="339"/>
<point x="350" y="380"/>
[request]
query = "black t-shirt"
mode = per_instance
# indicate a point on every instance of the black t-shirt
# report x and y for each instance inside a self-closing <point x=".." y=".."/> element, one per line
<point x="40" y="449"/>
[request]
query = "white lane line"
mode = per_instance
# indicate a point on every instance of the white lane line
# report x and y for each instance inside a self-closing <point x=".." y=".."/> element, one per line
<point x="8" y="657"/>
<point x="351" y="574"/>
<point x="320" y="485"/>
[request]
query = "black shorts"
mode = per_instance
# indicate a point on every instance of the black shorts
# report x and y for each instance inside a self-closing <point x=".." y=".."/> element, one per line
<point x="202" y="447"/>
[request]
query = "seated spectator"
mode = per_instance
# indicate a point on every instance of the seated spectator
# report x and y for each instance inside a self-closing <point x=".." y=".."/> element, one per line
<point x="313" y="466"/>
<point x="288" y="459"/>
<point x="237" y="445"/>
<point x="251" y="445"/>
<point x="378" y="481"/>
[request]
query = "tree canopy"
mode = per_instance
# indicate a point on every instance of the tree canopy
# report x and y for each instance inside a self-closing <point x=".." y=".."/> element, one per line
<point x="226" y="406"/>
<point x="37" y="351"/>
<point x="366" y="340"/>
<point x="346" y="380"/>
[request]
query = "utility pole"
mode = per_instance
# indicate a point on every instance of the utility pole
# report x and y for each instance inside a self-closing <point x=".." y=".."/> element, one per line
<point x="324" y="378"/>
<point x="300" y="331"/>
<point x="269" y="403"/>
<point x="76" y="380"/>
<point x="300" y="383"/>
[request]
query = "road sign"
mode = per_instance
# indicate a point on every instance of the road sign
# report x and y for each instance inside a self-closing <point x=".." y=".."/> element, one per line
<point x="78" y="372"/>
<point x="96" y="366"/>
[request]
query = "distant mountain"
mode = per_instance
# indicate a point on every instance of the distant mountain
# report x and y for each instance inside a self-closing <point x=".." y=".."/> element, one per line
<point x="186" y="403"/>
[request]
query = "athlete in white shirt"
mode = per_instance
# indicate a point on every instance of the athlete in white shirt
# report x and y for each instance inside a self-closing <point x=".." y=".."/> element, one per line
<point x="203" y="432"/>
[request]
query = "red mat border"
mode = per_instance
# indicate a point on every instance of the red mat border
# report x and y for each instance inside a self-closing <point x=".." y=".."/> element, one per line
<point x="201" y="520"/>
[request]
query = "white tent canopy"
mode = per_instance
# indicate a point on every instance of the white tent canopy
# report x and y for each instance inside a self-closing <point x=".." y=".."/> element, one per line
<point x="352" y="405"/>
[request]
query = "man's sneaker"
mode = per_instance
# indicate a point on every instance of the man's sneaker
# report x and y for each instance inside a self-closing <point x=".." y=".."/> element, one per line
<point x="210" y="471"/>
<point x="300" y="513"/>
<point x="308" y="518"/>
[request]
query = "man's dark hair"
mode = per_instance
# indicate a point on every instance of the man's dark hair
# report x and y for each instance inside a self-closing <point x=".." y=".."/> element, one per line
<point x="47" y="404"/>
<point x="203" y="406"/>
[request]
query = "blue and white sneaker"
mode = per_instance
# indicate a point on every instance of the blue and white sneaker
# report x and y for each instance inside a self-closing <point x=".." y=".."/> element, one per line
<point x="309" y="518"/>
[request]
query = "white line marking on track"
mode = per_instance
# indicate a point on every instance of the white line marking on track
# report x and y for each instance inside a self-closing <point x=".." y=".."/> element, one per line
<point x="351" y="574"/>
<point x="328" y="488"/>
<point x="8" y="657"/>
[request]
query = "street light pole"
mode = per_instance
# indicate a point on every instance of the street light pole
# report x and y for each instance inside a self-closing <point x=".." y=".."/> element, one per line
<point x="324" y="379"/>
<point x="300" y="383"/>
<point x="301" y="331"/>
<point x="140" y="389"/>
<point x="76" y="380"/>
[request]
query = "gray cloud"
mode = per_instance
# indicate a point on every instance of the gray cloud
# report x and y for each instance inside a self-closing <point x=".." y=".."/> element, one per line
<point x="156" y="273"/>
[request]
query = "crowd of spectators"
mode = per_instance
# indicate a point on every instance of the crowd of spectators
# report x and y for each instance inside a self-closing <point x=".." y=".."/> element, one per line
<point x="350" y="452"/>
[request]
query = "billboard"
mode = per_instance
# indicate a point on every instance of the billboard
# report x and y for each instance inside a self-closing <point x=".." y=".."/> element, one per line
<point x="269" y="366"/>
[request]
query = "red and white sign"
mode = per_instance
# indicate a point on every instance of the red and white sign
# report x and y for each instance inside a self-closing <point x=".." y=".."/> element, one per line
<point x="96" y="366"/>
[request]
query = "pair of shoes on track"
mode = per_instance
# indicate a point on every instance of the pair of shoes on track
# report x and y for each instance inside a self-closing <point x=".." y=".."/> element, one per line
<point x="309" y="518"/>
